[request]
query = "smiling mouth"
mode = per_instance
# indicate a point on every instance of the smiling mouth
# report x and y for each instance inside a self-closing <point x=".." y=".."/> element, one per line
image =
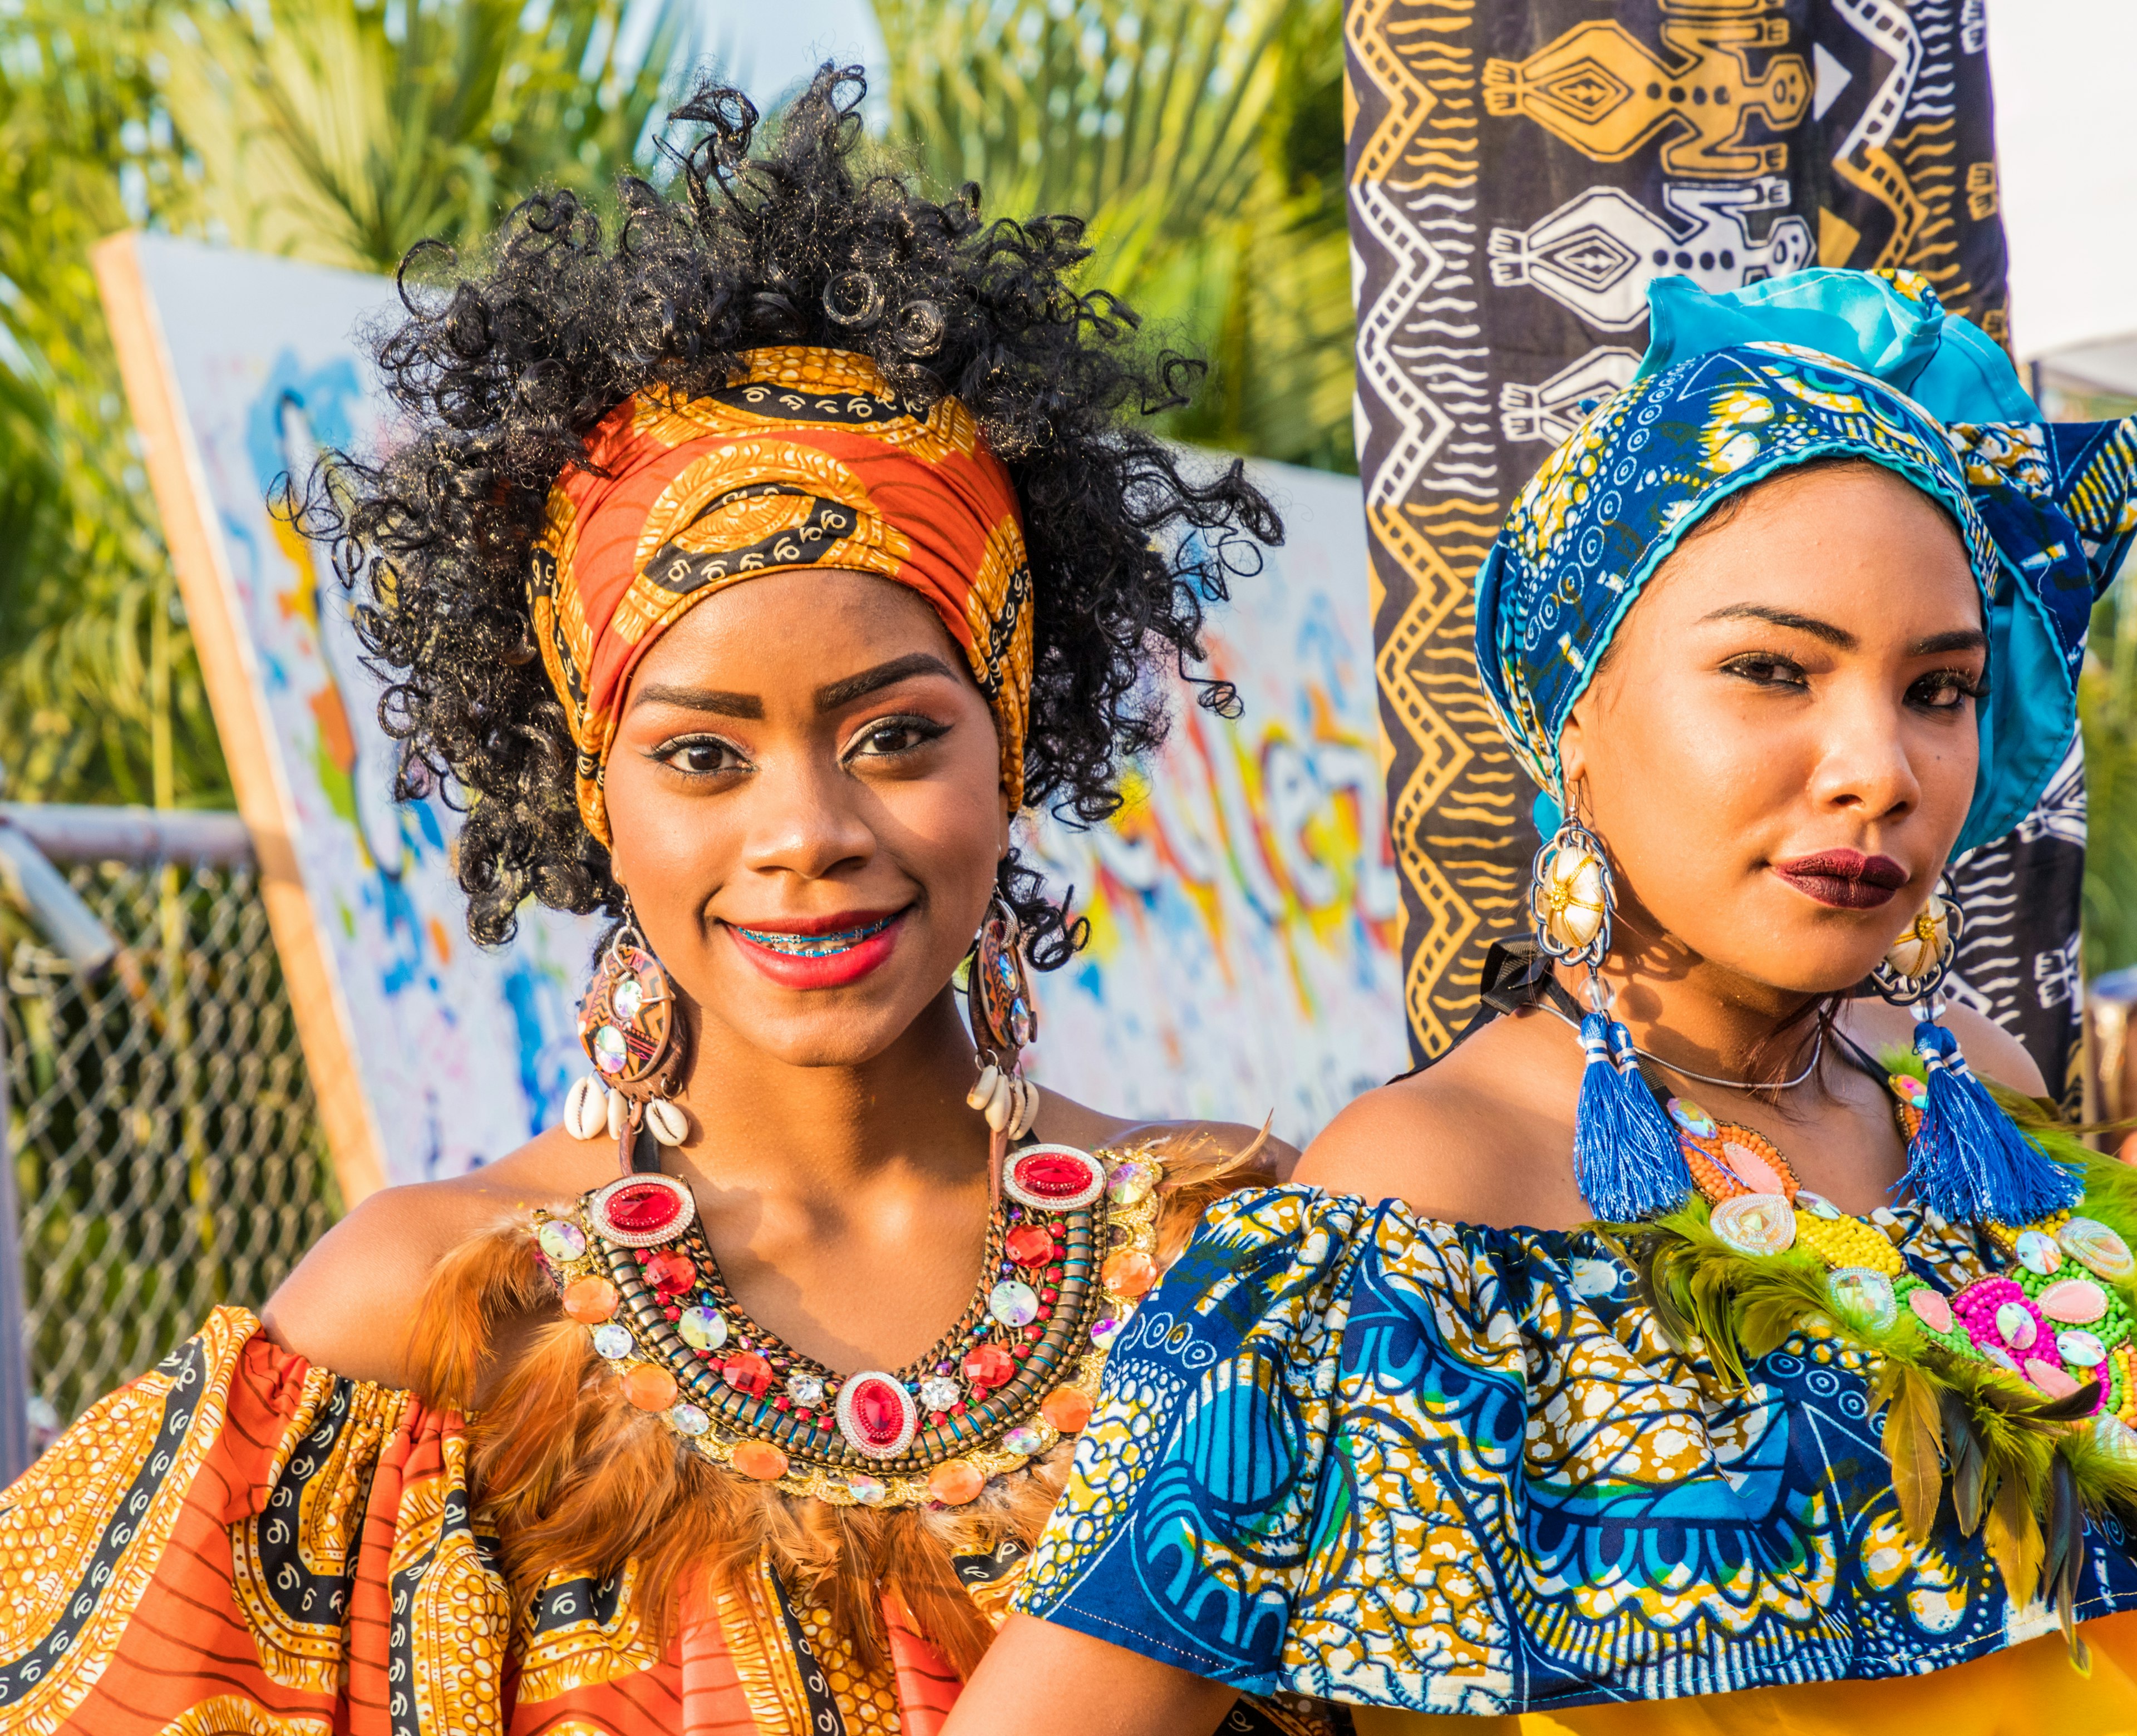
<point x="815" y="946"/>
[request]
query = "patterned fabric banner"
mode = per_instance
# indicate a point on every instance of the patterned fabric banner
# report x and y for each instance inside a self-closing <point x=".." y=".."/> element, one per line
<point x="1520" y="171"/>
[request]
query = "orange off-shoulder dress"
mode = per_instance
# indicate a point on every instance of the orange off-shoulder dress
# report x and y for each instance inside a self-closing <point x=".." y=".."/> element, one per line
<point x="241" y="1542"/>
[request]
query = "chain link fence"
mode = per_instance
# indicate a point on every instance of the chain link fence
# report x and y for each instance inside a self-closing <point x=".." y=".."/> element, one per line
<point x="160" y="1122"/>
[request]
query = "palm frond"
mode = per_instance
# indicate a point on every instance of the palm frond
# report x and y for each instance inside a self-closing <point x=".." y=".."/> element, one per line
<point x="321" y="129"/>
<point x="345" y="134"/>
<point x="1203" y="145"/>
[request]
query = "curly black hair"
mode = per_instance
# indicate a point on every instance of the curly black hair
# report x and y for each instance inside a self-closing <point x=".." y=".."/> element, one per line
<point x="500" y="373"/>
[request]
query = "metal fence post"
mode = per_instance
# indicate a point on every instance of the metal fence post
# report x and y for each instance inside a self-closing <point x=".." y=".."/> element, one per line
<point x="14" y="1357"/>
<point x="73" y="927"/>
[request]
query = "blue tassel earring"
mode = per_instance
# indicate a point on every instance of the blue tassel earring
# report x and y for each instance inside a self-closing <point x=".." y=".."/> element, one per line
<point x="1968" y="1160"/>
<point x="1626" y="1158"/>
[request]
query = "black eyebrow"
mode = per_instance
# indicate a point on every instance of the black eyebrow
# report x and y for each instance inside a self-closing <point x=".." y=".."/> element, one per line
<point x="1838" y="637"/>
<point x="700" y="699"/>
<point x="1960" y="639"/>
<point x="843" y="692"/>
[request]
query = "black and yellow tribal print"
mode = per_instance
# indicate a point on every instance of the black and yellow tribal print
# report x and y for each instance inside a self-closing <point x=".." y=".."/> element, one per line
<point x="1520" y="173"/>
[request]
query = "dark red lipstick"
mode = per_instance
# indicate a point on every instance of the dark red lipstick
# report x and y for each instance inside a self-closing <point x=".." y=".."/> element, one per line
<point x="1844" y="880"/>
<point x="821" y="952"/>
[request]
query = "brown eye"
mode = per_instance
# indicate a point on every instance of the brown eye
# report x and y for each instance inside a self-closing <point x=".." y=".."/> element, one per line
<point x="700" y="756"/>
<point x="1765" y="669"/>
<point x="893" y="735"/>
<point x="1945" y="691"/>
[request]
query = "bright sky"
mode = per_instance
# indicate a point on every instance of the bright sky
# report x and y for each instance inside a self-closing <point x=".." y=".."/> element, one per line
<point x="767" y="46"/>
<point x="2068" y="179"/>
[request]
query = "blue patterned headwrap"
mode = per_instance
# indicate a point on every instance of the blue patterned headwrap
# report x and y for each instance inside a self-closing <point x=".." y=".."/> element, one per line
<point x="1819" y="364"/>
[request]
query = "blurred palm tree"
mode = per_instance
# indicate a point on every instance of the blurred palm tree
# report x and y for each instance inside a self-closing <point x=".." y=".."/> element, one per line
<point x="1204" y="145"/>
<point x="329" y="130"/>
<point x="97" y="693"/>
<point x="2107" y="711"/>
<point x="344" y="132"/>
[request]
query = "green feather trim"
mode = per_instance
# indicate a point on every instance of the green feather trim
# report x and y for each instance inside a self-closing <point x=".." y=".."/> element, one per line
<point x="2013" y="1464"/>
<point x="1901" y="1058"/>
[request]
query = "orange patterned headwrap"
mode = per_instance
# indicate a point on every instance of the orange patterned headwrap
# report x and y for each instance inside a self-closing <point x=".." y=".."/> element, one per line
<point x="805" y="458"/>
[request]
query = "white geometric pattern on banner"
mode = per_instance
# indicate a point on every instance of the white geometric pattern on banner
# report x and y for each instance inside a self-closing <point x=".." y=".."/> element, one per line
<point x="1996" y="974"/>
<point x="2060" y="813"/>
<point x="1388" y="359"/>
<point x="1597" y="253"/>
<point x="1551" y="412"/>
<point x="1886" y="27"/>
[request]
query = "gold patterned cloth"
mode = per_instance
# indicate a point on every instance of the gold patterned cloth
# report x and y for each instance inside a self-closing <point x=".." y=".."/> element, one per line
<point x="805" y="459"/>
<point x="241" y="1542"/>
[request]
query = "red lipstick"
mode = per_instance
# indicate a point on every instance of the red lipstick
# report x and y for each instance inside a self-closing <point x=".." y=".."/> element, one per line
<point x="1844" y="880"/>
<point x="821" y="952"/>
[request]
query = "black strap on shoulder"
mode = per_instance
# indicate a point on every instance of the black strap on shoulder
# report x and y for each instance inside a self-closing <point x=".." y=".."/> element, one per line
<point x="1861" y="1056"/>
<point x="1517" y="974"/>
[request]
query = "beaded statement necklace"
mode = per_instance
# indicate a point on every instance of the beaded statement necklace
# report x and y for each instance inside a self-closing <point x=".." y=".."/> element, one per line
<point x="2053" y="1317"/>
<point x="1070" y="1251"/>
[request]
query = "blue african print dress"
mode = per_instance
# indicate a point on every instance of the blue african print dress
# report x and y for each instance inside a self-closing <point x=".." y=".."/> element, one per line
<point x="1350" y="1452"/>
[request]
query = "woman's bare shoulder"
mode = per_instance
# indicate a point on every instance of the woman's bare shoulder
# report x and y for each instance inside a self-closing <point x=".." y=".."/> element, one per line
<point x="1991" y="1052"/>
<point x="1402" y="1141"/>
<point x="1455" y="1140"/>
<point x="350" y="1303"/>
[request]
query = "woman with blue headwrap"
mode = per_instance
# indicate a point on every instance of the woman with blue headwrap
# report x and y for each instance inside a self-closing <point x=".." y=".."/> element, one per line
<point x="1703" y="1332"/>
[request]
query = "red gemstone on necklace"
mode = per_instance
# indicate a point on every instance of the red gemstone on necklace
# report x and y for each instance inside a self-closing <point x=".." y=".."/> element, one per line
<point x="640" y="1210"/>
<point x="990" y="1366"/>
<point x="747" y="1372"/>
<point x="1029" y="1244"/>
<point x="670" y="1271"/>
<point x="1052" y="1176"/>
<point x="877" y="1410"/>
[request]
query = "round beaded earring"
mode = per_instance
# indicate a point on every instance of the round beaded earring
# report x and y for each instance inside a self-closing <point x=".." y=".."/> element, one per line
<point x="1915" y="965"/>
<point x="1004" y="1020"/>
<point x="629" y="1028"/>
<point x="1626" y="1158"/>
<point x="1967" y="1159"/>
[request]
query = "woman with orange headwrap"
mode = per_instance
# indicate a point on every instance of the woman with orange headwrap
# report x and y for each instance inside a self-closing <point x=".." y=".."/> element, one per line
<point x="747" y="575"/>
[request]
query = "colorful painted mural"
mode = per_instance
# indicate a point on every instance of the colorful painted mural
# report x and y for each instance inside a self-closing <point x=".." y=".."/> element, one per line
<point x="462" y="1053"/>
<point x="1243" y="960"/>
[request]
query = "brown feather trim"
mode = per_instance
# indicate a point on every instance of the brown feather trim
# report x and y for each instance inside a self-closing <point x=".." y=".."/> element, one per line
<point x="576" y="1480"/>
<point x="1197" y="1175"/>
<point x="487" y="1279"/>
